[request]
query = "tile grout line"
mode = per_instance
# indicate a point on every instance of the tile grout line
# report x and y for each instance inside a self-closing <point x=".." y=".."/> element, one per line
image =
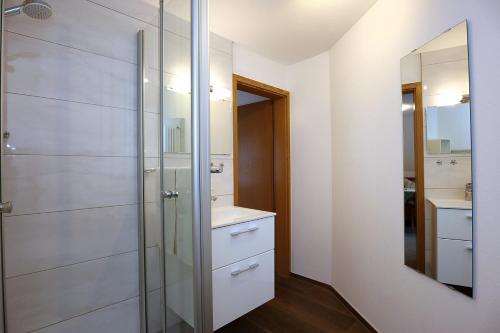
<point x="154" y="290"/>
<point x="82" y="102"/>
<point x="70" y="101"/>
<point x="69" y="155"/>
<point x="83" y="314"/>
<point x="69" y="265"/>
<point x="122" y="13"/>
<point x="72" y="210"/>
<point x="105" y="55"/>
<point x="72" y="47"/>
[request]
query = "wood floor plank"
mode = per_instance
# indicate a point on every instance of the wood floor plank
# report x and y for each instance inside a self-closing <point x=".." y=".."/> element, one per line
<point x="244" y="324"/>
<point x="358" y="328"/>
<point x="300" y="306"/>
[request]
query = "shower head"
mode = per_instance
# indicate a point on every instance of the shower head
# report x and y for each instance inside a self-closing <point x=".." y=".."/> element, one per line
<point x="36" y="9"/>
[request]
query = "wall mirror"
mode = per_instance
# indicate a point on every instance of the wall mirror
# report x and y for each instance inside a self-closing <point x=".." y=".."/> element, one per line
<point x="438" y="219"/>
<point x="177" y="129"/>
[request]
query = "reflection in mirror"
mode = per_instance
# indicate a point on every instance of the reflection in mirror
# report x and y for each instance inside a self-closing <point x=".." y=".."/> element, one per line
<point x="448" y="128"/>
<point x="177" y="126"/>
<point x="437" y="160"/>
<point x="221" y="126"/>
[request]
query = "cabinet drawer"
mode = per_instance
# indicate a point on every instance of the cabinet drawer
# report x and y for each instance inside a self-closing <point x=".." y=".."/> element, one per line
<point x="454" y="224"/>
<point x="240" y="241"/>
<point x="454" y="262"/>
<point x="242" y="287"/>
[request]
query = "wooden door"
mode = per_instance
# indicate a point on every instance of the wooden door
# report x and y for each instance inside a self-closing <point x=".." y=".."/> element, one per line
<point x="418" y="132"/>
<point x="256" y="156"/>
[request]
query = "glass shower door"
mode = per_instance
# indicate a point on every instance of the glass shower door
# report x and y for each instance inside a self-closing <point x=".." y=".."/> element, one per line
<point x="176" y="165"/>
<point x="172" y="165"/>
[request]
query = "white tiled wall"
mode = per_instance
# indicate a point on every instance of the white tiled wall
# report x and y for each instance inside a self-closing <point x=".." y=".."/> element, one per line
<point x="116" y="318"/>
<point x="222" y="183"/>
<point x="39" y="242"/>
<point x="49" y="297"/>
<point x="69" y="163"/>
<point x="69" y="167"/>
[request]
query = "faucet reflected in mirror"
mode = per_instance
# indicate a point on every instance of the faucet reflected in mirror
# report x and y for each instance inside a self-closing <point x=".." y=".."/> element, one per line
<point x="438" y="219"/>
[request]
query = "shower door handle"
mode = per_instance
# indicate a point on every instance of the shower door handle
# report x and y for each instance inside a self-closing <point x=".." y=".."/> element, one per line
<point x="6" y="207"/>
<point x="169" y="194"/>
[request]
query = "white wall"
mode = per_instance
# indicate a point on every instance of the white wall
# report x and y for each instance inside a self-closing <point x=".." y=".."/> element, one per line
<point x="309" y="85"/>
<point x="254" y="66"/>
<point x="368" y="267"/>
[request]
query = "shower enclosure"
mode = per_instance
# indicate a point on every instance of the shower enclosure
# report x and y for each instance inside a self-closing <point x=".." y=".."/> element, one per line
<point x="174" y="175"/>
<point x="105" y="166"/>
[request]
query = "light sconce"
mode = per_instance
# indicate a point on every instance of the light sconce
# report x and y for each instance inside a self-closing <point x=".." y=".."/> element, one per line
<point x="447" y="99"/>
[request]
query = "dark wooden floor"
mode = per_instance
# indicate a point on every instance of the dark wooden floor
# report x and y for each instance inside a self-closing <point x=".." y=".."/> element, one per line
<point x="299" y="306"/>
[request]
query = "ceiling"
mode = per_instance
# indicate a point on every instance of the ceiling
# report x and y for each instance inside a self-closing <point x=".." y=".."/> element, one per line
<point x="286" y="31"/>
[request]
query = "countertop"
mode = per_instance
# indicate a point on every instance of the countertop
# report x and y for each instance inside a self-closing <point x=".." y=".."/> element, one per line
<point x="450" y="203"/>
<point x="229" y="215"/>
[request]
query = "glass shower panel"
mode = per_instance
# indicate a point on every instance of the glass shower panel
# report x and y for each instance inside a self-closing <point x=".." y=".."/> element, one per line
<point x="69" y="168"/>
<point x="176" y="168"/>
<point x="69" y="161"/>
<point x="165" y="158"/>
<point x="149" y="148"/>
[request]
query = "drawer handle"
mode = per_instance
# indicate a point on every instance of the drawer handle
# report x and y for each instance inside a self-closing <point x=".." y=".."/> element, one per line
<point x="468" y="247"/>
<point x="243" y="270"/>
<point x="469" y="217"/>
<point x="239" y="232"/>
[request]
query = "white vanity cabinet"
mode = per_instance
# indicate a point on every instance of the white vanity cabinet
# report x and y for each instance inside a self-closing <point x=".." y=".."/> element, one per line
<point x="452" y="245"/>
<point x="242" y="266"/>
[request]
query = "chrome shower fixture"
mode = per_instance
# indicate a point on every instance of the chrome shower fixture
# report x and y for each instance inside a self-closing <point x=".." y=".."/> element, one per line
<point x="36" y="9"/>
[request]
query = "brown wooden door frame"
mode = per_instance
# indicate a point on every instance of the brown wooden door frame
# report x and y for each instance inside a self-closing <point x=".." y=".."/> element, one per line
<point x="282" y="196"/>
<point x="418" y="130"/>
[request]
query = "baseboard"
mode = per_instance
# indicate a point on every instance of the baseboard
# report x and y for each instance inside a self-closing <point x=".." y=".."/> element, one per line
<point x="341" y="298"/>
